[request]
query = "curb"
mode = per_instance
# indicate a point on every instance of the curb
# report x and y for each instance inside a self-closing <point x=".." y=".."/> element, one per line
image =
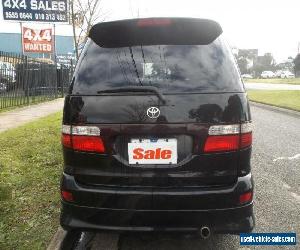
<point x="57" y="239"/>
<point x="67" y="240"/>
<point x="275" y="108"/>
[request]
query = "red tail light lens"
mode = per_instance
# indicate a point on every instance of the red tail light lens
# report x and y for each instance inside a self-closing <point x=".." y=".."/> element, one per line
<point x="66" y="140"/>
<point x="224" y="138"/>
<point x="88" y="143"/>
<point x="83" y="138"/>
<point x="221" y="143"/>
<point x="67" y="196"/>
<point x="246" y="197"/>
<point x="246" y="140"/>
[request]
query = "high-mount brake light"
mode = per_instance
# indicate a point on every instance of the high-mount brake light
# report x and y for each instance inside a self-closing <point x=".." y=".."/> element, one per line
<point x="153" y="22"/>
<point x="222" y="138"/>
<point x="82" y="138"/>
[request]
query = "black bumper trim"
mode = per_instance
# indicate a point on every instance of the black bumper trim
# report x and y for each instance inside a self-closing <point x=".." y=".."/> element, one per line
<point x="177" y="209"/>
<point x="233" y="220"/>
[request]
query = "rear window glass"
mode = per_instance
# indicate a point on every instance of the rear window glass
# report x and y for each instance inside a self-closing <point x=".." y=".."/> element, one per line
<point x="171" y="68"/>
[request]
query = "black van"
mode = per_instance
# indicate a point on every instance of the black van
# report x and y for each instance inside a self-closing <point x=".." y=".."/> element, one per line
<point x="157" y="131"/>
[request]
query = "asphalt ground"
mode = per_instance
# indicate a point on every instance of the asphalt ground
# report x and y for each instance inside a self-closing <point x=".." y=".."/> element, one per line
<point x="276" y="169"/>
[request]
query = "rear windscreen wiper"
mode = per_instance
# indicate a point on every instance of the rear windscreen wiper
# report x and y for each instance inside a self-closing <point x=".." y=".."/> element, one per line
<point x="135" y="89"/>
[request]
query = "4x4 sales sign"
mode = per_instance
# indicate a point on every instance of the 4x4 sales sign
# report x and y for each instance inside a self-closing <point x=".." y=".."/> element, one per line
<point x="37" y="40"/>
<point x="35" y="10"/>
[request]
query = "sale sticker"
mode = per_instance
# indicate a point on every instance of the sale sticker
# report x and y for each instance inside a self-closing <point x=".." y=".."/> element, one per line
<point x="37" y="40"/>
<point x="159" y="152"/>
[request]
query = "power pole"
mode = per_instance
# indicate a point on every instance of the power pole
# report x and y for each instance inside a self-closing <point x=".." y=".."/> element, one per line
<point x="71" y="2"/>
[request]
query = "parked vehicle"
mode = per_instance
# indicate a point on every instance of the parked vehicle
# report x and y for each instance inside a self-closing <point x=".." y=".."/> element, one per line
<point x="278" y="73"/>
<point x="7" y="72"/>
<point x="247" y="76"/>
<point x="3" y="87"/>
<point x="157" y="131"/>
<point x="287" y="74"/>
<point x="267" y="74"/>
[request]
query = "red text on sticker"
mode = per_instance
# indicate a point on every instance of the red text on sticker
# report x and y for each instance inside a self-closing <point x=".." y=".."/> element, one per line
<point x="158" y="153"/>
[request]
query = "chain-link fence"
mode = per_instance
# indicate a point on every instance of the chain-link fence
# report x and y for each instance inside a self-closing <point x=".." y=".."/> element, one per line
<point x="25" y="80"/>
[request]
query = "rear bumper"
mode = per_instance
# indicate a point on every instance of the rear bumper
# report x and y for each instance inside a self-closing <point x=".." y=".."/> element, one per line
<point x="234" y="220"/>
<point x="115" y="213"/>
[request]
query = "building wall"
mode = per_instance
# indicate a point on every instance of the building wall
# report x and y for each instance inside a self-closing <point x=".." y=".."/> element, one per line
<point x="11" y="42"/>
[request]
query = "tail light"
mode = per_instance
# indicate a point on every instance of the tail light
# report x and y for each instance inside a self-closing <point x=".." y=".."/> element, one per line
<point x="246" y="197"/>
<point x="218" y="143"/>
<point x="223" y="138"/>
<point x="67" y="196"/>
<point x="82" y="138"/>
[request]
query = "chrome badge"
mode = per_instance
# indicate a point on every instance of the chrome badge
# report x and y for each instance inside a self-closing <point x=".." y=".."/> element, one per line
<point x="153" y="112"/>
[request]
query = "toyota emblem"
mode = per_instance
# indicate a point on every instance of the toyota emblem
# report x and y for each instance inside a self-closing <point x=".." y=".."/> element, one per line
<point x="153" y="112"/>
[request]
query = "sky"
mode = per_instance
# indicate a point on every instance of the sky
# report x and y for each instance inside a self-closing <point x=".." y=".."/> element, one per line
<point x="270" y="26"/>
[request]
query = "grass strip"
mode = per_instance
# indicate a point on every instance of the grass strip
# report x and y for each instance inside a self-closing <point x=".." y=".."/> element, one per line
<point x="30" y="169"/>
<point x="293" y="81"/>
<point x="289" y="99"/>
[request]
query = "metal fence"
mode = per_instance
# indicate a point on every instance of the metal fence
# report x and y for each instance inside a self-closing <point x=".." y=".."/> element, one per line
<point x="25" y="80"/>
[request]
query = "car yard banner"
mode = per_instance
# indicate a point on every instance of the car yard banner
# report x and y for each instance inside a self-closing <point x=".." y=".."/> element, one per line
<point x="37" y="40"/>
<point x="35" y="10"/>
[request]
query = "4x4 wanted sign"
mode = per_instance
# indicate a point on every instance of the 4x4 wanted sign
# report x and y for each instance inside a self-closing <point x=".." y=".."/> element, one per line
<point x="37" y="40"/>
<point x="35" y="10"/>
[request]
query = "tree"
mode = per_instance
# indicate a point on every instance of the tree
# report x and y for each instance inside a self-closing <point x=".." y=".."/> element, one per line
<point x="263" y="63"/>
<point x="267" y="60"/>
<point x="245" y="59"/>
<point x="242" y="62"/>
<point x="83" y="14"/>
<point x="297" y="65"/>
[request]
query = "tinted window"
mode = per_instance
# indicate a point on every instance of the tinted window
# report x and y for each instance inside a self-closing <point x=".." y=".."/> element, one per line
<point x="171" y="68"/>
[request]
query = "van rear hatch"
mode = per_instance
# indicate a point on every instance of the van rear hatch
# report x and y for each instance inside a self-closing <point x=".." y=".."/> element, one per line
<point x="153" y="88"/>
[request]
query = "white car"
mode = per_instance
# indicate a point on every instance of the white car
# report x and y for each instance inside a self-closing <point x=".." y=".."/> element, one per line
<point x="278" y="73"/>
<point x="287" y="74"/>
<point x="247" y="76"/>
<point x="3" y="87"/>
<point x="7" y="72"/>
<point x="267" y="74"/>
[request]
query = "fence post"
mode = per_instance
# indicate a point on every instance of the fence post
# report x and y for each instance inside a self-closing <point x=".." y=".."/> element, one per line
<point x="62" y="83"/>
<point x="56" y="84"/>
<point x="26" y="79"/>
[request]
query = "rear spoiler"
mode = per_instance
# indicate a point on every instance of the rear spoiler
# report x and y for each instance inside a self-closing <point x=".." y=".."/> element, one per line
<point x="155" y="31"/>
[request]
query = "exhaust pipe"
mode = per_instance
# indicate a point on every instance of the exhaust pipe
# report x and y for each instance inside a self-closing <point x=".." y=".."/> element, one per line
<point x="205" y="232"/>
